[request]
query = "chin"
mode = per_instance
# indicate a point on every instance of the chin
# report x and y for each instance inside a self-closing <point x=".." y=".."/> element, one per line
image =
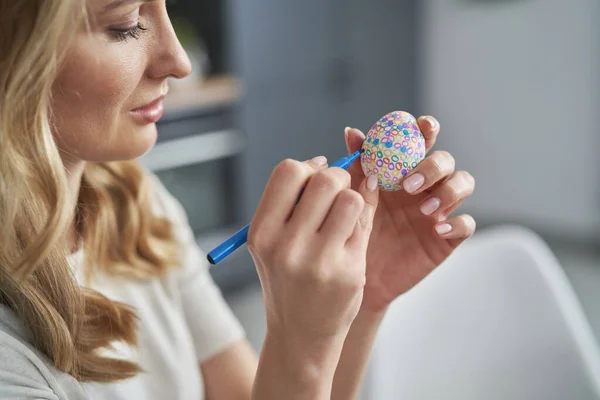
<point x="144" y="140"/>
<point x="138" y="141"/>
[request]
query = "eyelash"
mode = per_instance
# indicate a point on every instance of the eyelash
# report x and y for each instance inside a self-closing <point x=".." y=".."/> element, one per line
<point x="123" y="34"/>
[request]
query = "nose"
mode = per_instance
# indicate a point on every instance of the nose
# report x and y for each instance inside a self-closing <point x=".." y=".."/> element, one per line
<point x="168" y="59"/>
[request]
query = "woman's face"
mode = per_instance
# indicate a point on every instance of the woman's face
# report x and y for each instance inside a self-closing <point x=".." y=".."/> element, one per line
<point x="107" y="96"/>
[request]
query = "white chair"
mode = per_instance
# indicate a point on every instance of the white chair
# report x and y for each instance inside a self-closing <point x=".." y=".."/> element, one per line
<point x="498" y="320"/>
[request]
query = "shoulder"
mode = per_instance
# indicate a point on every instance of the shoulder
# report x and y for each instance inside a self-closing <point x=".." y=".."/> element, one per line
<point x="25" y="373"/>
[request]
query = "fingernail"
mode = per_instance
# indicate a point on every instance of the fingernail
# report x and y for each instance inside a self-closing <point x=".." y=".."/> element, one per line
<point x="320" y="160"/>
<point x="372" y="183"/>
<point x="442" y="229"/>
<point x="413" y="182"/>
<point x="432" y="121"/>
<point x="347" y="129"/>
<point x="430" y="206"/>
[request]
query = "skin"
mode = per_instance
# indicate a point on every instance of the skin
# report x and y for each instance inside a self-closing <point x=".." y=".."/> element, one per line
<point x="329" y="267"/>
<point x="104" y="78"/>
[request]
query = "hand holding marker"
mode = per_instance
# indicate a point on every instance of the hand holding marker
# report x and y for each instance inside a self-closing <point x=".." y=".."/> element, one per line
<point x="393" y="147"/>
<point x="239" y="238"/>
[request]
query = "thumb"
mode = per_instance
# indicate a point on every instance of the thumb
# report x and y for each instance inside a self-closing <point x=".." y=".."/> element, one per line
<point x="369" y="189"/>
<point x="354" y="139"/>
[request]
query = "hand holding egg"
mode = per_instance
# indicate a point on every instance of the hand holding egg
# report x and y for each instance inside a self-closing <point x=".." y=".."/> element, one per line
<point x="413" y="230"/>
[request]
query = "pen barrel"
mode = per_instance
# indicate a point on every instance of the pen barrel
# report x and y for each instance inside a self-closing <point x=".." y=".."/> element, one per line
<point x="229" y="246"/>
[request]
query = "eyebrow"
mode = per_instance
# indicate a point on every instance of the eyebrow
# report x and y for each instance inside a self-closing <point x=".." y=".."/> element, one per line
<point x="120" y="3"/>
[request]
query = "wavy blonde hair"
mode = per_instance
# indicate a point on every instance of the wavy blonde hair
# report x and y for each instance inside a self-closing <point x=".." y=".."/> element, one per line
<point x="68" y="322"/>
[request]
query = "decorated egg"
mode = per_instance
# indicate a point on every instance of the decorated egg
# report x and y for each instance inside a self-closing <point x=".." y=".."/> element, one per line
<point x="393" y="146"/>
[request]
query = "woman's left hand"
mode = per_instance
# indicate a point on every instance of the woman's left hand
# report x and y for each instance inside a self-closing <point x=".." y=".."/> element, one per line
<point x="413" y="232"/>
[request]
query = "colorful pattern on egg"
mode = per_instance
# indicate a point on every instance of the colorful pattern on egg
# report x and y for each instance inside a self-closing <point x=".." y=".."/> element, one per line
<point x="394" y="146"/>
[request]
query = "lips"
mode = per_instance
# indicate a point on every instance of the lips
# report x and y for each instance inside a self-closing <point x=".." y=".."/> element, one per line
<point x="150" y="113"/>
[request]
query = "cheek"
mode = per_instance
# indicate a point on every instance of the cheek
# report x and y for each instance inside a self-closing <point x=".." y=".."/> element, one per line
<point x="91" y="96"/>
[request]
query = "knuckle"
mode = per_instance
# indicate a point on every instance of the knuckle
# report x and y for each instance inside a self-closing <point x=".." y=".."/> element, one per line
<point x="342" y="175"/>
<point x="284" y="256"/>
<point x="289" y="169"/>
<point x="321" y="275"/>
<point x="466" y="177"/>
<point x="448" y="195"/>
<point x="353" y="284"/>
<point x="254" y="243"/>
<point x="467" y="181"/>
<point x="442" y="161"/>
<point x="357" y="283"/>
<point x="325" y="181"/>
<point x="437" y="163"/>
<point x="470" y="179"/>
<point x="463" y="184"/>
<point x="470" y="223"/>
<point x="351" y="200"/>
<point x="449" y="158"/>
<point x="286" y="164"/>
<point x="257" y="242"/>
<point x="463" y="176"/>
<point x="315" y="275"/>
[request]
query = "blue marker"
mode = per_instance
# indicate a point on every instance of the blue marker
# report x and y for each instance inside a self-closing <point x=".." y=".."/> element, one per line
<point x="240" y="237"/>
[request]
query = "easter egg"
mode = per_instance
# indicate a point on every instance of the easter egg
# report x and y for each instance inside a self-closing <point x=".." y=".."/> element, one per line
<point x="393" y="147"/>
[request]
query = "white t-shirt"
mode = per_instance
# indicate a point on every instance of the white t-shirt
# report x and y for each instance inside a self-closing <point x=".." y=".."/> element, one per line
<point x="183" y="321"/>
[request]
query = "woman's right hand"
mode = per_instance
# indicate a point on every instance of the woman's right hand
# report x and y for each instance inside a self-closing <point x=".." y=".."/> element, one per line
<point x="311" y="259"/>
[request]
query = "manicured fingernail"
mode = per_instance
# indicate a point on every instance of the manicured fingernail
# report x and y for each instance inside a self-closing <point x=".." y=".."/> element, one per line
<point x="320" y="160"/>
<point x="442" y="229"/>
<point x="430" y="206"/>
<point x="413" y="182"/>
<point x="372" y="183"/>
<point x="432" y="122"/>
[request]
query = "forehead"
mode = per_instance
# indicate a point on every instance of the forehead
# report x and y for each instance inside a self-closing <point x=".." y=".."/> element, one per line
<point x="106" y="6"/>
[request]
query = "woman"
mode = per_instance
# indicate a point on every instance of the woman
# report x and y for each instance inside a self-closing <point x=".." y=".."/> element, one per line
<point x="103" y="292"/>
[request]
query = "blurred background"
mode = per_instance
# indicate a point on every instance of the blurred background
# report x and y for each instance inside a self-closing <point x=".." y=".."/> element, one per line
<point x="514" y="83"/>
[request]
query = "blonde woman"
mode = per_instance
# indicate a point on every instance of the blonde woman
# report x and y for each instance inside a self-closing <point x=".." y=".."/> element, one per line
<point x="103" y="292"/>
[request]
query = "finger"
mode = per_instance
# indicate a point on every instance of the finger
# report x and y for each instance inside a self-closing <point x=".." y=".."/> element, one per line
<point x="444" y="214"/>
<point x="460" y="186"/>
<point x="279" y="198"/>
<point x="448" y="211"/>
<point x="433" y="169"/>
<point x="369" y="189"/>
<point x="318" y="163"/>
<point x="430" y="128"/>
<point x="317" y="199"/>
<point x="354" y="140"/>
<point x="343" y="217"/>
<point x="456" y="229"/>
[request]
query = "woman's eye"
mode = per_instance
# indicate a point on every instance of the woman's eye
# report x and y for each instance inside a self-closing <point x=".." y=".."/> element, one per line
<point x="124" y="34"/>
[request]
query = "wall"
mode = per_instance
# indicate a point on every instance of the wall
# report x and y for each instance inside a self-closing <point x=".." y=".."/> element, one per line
<point x="515" y="85"/>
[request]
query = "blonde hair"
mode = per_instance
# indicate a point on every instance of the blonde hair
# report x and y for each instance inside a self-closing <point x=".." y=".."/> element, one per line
<point x="68" y="322"/>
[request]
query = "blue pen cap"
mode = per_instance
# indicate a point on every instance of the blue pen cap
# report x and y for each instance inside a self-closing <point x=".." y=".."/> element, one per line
<point x="229" y="246"/>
